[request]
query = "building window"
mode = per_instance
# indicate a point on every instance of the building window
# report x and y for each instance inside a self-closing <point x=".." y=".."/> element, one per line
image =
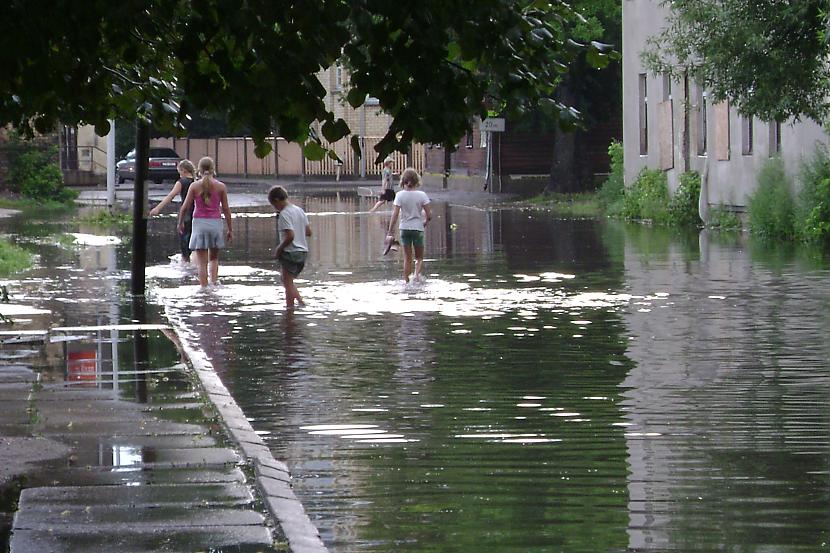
<point x="746" y="136"/>
<point x="666" y="87"/>
<point x="338" y="77"/>
<point x="643" y="115"/>
<point x="470" y="138"/>
<point x="774" y="138"/>
<point x="702" y="122"/>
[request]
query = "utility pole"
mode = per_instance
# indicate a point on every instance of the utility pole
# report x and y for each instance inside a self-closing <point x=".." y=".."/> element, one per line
<point x="363" y="140"/>
<point x="142" y="149"/>
<point x="111" y="166"/>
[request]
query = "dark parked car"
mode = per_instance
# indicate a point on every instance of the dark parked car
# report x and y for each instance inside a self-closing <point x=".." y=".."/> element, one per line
<point x="163" y="163"/>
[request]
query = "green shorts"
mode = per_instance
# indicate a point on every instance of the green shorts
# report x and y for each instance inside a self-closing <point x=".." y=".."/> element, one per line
<point x="412" y="238"/>
<point x="293" y="262"/>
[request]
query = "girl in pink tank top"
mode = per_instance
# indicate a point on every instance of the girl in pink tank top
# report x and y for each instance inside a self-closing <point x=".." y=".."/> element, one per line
<point x="210" y="210"/>
<point x="210" y="198"/>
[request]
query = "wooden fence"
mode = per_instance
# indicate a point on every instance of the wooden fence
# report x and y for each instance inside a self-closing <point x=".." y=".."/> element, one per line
<point x="235" y="156"/>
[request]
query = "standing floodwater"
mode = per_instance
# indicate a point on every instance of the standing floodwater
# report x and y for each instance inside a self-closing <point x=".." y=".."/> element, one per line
<point x="554" y="385"/>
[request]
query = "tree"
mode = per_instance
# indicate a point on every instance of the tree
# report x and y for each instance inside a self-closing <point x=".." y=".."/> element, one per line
<point x="433" y="64"/>
<point x="595" y="95"/>
<point x="768" y="57"/>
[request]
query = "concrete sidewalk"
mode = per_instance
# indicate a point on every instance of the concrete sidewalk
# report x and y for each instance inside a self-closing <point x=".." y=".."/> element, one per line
<point x="136" y="456"/>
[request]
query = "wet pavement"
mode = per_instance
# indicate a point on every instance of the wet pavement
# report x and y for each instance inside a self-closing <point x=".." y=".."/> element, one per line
<point x="127" y="457"/>
<point x="111" y="437"/>
<point x="554" y="385"/>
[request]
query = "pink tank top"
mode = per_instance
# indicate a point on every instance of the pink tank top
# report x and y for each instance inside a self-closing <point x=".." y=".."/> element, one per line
<point x="208" y="211"/>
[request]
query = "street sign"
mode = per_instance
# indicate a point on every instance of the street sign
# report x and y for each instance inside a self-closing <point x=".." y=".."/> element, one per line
<point x="493" y="124"/>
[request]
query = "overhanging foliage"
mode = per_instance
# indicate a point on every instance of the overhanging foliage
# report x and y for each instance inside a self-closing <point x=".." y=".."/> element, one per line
<point x="768" y="57"/>
<point x="433" y="64"/>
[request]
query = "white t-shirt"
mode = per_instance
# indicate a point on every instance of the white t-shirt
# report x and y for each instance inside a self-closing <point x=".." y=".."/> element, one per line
<point x="386" y="178"/>
<point x="411" y="202"/>
<point x="293" y="218"/>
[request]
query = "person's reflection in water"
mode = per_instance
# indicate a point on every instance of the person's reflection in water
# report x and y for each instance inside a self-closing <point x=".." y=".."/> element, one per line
<point x="293" y="353"/>
<point x="414" y="349"/>
<point x="214" y="340"/>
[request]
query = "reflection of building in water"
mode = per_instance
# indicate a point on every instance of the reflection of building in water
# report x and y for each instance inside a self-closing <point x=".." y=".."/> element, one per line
<point x="466" y="230"/>
<point x="344" y="234"/>
<point x="343" y="238"/>
<point x="727" y="372"/>
<point x="534" y="241"/>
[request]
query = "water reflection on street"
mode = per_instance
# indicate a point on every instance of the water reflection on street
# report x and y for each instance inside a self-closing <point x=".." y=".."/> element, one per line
<point x="553" y="385"/>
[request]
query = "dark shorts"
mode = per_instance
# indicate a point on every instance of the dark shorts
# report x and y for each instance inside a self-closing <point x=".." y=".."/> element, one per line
<point x="184" y="238"/>
<point x="293" y="262"/>
<point x="412" y="238"/>
<point x="387" y="195"/>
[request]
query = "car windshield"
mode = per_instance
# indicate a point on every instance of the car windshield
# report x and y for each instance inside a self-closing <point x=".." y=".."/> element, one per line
<point x="163" y="152"/>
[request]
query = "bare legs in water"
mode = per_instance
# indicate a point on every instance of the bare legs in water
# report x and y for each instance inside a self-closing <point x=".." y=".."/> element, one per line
<point x="207" y="263"/>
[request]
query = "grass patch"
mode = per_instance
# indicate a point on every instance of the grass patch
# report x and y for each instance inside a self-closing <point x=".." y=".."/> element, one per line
<point x="29" y="205"/>
<point x="107" y="219"/>
<point x="13" y="259"/>
<point x="583" y="204"/>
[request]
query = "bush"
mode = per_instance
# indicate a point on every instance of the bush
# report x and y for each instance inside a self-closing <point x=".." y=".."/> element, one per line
<point x="812" y="212"/>
<point x="771" y="206"/>
<point x="648" y="197"/>
<point x="721" y="218"/>
<point x="683" y="207"/>
<point x="815" y="227"/>
<point x="34" y="173"/>
<point x="612" y="192"/>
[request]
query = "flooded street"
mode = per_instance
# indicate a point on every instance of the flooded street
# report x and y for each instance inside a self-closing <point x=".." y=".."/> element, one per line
<point x="554" y="384"/>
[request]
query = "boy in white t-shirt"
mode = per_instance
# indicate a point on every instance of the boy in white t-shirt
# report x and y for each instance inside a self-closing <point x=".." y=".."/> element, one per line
<point x="412" y="207"/>
<point x="294" y="230"/>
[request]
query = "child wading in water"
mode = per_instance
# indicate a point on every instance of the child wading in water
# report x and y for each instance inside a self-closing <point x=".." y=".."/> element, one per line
<point x="186" y="174"/>
<point x="409" y="205"/>
<point x="387" y="187"/>
<point x="294" y="230"/>
<point x="210" y="197"/>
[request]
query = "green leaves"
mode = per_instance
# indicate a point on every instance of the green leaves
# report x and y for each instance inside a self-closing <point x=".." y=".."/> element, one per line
<point x="314" y="151"/>
<point x="335" y="130"/>
<point x="356" y="97"/>
<point x="432" y="68"/>
<point x="262" y="148"/>
<point x="769" y="58"/>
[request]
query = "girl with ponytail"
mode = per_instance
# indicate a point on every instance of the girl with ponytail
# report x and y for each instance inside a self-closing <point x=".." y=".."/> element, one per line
<point x="210" y="197"/>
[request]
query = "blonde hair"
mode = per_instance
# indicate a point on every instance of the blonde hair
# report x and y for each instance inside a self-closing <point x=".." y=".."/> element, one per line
<point x="186" y="165"/>
<point x="410" y="178"/>
<point x="206" y="170"/>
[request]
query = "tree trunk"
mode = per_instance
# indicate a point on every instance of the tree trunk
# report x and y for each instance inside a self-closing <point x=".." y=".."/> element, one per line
<point x="566" y="167"/>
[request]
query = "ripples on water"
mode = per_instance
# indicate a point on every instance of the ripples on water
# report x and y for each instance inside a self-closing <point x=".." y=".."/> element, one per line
<point x="534" y="396"/>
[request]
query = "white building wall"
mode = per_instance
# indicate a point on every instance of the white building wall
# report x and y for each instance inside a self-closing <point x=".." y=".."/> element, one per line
<point x="731" y="180"/>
